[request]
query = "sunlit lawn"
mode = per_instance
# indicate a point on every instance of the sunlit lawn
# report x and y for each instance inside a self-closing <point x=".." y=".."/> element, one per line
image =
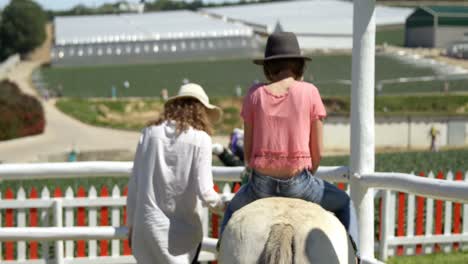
<point x="220" y="78"/>
<point x="449" y="258"/>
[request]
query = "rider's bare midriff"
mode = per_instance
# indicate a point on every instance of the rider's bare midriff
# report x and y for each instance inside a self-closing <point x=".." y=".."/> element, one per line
<point x="285" y="173"/>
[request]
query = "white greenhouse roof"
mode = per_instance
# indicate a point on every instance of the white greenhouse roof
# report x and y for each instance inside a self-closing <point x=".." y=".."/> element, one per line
<point x="310" y="17"/>
<point x="142" y="27"/>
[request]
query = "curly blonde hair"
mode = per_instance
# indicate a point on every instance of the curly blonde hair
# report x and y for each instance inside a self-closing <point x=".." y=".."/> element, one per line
<point x="186" y="112"/>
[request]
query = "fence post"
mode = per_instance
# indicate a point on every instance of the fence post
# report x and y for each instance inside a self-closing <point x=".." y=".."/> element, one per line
<point x="392" y="218"/>
<point x="387" y="231"/>
<point x="92" y="221"/>
<point x="33" y="219"/>
<point x="448" y="218"/>
<point x="428" y="248"/>
<point x="69" y="219"/>
<point x="44" y="220"/>
<point x="58" y="213"/>
<point x="410" y="218"/>
<point x="362" y="120"/>
<point x="115" y="221"/>
<point x="21" y="222"/>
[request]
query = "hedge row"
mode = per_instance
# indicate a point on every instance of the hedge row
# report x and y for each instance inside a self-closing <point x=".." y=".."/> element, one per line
<point x="20" y="114"/>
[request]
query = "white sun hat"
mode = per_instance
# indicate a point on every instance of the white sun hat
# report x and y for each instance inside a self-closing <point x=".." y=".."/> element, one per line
<point x="193" y="90"/>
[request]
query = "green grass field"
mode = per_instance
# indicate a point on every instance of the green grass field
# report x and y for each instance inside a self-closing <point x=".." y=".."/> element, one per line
<point x="454" y="160"/>
<point x="392" y="35"/>
<point x="451" y="258"/>
<point x="131" y="114"/>
<point x="221" y="77"/>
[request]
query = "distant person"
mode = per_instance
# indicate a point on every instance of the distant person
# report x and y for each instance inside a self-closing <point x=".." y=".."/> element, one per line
<point x="114" y="92"/>
<point x="164" y="94"/>
<point x="59" y="90"/>
<point x="236" y="143"/>
<point x="283" y="128"/>
<point x="171" y="180"/>
<point x="233" y="155"/>
<point x="226" y="156"/>
<point x="433" y="133"/>
<point x="238" y="91"/>
<point x="46" y="94"/>
<point x="73" y="154"/>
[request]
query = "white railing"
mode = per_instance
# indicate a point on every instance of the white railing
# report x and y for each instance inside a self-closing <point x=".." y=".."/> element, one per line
<point x="63" y="170"/>
<point x="420" y="229"/>
<point x="64" y="209"/>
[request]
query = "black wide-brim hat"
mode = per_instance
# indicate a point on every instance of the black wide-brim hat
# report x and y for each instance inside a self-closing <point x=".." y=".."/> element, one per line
<point x="282" y="45"/>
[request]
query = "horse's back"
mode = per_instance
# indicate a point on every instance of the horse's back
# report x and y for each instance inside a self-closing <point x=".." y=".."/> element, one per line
<point x="267" y="230"/>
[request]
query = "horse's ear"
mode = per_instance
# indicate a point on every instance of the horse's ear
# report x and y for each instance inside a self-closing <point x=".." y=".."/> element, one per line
<point x="279" y="248"/>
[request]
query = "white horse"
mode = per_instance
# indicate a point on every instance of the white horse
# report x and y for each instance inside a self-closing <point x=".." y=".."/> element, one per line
<point x="284" y="231"/>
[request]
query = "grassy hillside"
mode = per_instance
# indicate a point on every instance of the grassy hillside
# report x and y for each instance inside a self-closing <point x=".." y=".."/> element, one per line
<point x="135" y="113"/>
<point x="220" y="78"/>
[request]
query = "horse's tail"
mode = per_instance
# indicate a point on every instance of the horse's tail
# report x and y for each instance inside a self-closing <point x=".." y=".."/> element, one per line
<point x="279" y="247"/>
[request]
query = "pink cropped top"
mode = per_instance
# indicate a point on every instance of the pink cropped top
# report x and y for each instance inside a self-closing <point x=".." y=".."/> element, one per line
<point x="281" y="125"/>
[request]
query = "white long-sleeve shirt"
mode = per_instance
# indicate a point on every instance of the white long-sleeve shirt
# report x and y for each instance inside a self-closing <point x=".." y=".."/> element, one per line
<point x="171" y="179"/>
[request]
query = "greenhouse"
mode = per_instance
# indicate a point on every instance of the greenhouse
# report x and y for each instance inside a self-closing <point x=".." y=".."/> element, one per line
<point x="437" y="26"/>
<point x="148" y="38"/>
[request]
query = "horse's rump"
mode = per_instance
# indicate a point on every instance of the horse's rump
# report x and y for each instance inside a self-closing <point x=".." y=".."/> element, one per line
<point x="283" y="231"/>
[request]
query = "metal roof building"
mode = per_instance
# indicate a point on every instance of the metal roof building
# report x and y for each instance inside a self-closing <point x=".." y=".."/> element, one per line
<point x="319" y="24"/>
<point x="149" y="37"/>
<point x="437" y="26"/>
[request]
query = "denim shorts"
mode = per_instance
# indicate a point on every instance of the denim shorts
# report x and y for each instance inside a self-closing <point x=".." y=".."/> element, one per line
<point x="303" y="186"/>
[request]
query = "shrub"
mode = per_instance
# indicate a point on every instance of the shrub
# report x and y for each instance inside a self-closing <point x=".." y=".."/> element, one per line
<point x="22" y="27"/>
<point x="20" y="114"/>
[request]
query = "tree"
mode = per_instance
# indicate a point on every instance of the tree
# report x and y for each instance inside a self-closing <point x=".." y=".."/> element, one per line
<point x="22" y="27"/>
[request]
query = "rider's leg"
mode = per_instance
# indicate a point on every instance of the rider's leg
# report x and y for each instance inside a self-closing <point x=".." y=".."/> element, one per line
<point x="338" y="202"/>
<point x="242" y="198"/>
<point x="310" y="188"/>
<point x="259" y="186"/>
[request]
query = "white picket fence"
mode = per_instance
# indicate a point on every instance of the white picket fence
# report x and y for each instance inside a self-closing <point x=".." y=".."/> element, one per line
<point x="413" y="225"/>
<point x="75" y="210"/>
<point x="92" y="221"/>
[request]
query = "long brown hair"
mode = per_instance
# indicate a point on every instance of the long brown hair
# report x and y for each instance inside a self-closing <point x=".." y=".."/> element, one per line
<point x="186" y="112"/>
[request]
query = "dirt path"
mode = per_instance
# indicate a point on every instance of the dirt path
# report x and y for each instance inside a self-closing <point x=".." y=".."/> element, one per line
<point x="61" y="132"/>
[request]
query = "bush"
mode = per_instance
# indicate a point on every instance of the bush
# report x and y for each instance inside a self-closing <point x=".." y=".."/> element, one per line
<point x="20" y="115"/>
